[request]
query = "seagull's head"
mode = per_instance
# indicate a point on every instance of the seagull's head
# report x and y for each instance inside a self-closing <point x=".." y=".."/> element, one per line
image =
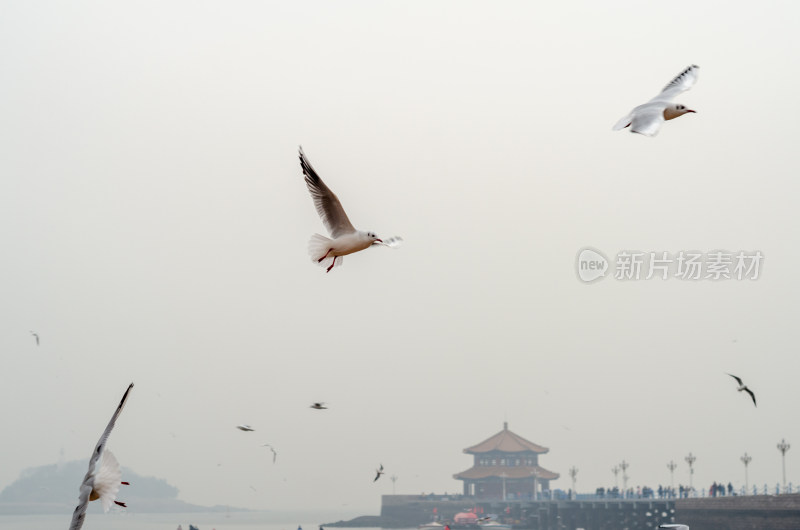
<point x="675" y="110"/>
<point x="373" y="237"/>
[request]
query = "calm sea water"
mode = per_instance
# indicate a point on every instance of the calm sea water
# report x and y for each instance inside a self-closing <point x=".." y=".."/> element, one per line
<point x="165" y="521"/>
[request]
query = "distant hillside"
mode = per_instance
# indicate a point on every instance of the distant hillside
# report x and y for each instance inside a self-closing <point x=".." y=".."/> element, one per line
<point x="54" y="489"/>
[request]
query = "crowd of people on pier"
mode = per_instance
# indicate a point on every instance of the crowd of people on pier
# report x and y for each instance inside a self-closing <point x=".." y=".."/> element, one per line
<point x="664" y="492"/>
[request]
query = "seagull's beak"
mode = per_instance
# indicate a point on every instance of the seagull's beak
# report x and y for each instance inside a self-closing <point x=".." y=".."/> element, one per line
<point x="377" y="241"/>
<point x="692" y="111"/>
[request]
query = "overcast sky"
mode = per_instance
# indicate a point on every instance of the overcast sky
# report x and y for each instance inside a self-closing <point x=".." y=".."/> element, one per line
<point x="154" y="224"/>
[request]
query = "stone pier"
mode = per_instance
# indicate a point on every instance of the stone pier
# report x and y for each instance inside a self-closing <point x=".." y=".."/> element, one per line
<point x="752" y="512"/>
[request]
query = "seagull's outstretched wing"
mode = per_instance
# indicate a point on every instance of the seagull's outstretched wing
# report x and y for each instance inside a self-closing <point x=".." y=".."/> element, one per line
<point x="751" y="395"/>
<point x="327" y="203"/>
<point x="738" y="380"/>
<point x="79" y="515"/>
<point x="682" y="82"/>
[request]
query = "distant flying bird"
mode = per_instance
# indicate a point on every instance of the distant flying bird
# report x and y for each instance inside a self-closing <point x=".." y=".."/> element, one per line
<point x="675" y="526"/>
<point x="274" y="454"/>
<point x="379" y="472"/>
<point x="104" y="484"/>
<point x="245" y="428"/>
<point x="319" y="406"/>
<point x="647" y="118"/>
<point x="35" y="336"/>
<point x="345" y="239"/>
<point x="742" y="386"/>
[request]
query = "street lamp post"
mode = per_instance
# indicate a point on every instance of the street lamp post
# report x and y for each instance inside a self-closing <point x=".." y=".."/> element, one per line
<point x="690" y="459"/>
<point x="573" y="473"/>
<point x="393" y="478"/>
<point x="783" y="447"/>
<point x="615" y="470"/>
<point x="624" y="467"/>
<point x="671" y="465"/>
<point x="746" y="460"/>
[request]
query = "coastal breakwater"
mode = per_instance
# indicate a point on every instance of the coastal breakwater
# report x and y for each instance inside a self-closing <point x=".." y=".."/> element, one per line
<point x="758" y="512"/>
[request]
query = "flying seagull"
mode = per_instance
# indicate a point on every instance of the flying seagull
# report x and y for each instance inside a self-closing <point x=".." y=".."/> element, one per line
<point x="742" y="386"/>
<point x="675" y="526"/>
<point x="319" y="406"/>
<point x="35" y="336"/>
<point x="345" y="239"/>
<point x="104" y="484"/>
<point x="647" y="118"/>
<point x="274" y="454"/>
<point x="379" y="472"/>
<point x="245" y="428"/>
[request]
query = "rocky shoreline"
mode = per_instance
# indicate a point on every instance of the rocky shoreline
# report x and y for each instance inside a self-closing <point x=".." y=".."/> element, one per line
<point x="372" y="521"/>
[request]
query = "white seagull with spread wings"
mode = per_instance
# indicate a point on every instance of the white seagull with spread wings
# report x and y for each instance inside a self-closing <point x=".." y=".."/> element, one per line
<point x="379" y="472"/>
<point x="104" y="484"/>
<point x="743" y="387"/>
<point x="345" y="239"/>
<point x="647" y="118"/>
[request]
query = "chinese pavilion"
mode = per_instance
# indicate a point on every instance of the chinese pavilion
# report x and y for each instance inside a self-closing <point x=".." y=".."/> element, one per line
<point x="506" y="467"/>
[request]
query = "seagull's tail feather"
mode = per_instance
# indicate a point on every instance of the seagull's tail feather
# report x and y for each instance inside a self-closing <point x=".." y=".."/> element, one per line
<point x="622" y="123"/>
<point x="318" y="247"/>
<point x="107" y="480"/>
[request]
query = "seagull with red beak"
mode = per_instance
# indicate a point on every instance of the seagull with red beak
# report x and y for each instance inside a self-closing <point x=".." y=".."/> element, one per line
<point x="345" y="239"/>
<point x="647" y="118"/>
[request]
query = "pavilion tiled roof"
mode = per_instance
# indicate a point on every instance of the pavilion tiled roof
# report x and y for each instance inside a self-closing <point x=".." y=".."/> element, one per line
<point x="511" y="472"/>
<point x="507" y="442"/>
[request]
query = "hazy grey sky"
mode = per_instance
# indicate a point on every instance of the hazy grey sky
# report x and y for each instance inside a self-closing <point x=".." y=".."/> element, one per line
<point x="154" y="225"/>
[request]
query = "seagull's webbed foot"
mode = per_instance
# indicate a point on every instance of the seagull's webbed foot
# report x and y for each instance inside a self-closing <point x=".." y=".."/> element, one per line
<point x="121" y="504"/>
<point x="332" y="264"/>
<point x="325" y="256"/>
